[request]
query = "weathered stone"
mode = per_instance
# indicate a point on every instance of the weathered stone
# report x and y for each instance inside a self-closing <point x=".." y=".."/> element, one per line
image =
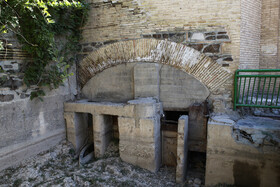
<point x="178" y="94"/>
<point x="109" y="42"/>
<point x="102" y="133"/>
<point x="146" y="80"/>
<point x="231" y="156"/>
<point x="6" y="98"/>
<point x="197" y="181"/>
<point x="198" y="47"/>
<point x="222" y="32"/>
<point x="210" y="33"/>
<point x="210" y="38"/>
<point x="140" y="137"/>
<point x="147" y="36"/>
<point x="139" y="125"/>
<point x="63" y="170"/>
<point x="213" y="48"/>
<point x="169" y="147"/>
<point x="96" y="44"/>
<point x="255" y="131"/>
<point x="182" y="149"/>
<point x="197" y="126"/>
<point x="120" y="84"/>
<point x="76" y="129"/>
<point x="139" y="146"/>
<point x="177" y="37"/>
<point x="198" y="36"/>
<point x="165" y="36"/>
<point x="222" y="37"/>
<point x="114" y="84"/>
<point x="157" y="36"/>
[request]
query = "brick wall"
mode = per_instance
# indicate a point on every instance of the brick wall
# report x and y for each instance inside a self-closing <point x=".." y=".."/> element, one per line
<point x="111" y="21"/>
<point x="250" y="34"/>
<point x="270" y="32"/>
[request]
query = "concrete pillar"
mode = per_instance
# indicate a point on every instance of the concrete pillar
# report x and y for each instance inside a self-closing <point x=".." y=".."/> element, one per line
<point x="76" y="129"/>
<point x="140" y="136"/>
<point x="182" y="149"/>
<point x="102" y="133"/>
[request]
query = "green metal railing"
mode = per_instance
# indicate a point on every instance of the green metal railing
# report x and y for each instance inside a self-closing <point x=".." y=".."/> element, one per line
<point x="257" y="88"/>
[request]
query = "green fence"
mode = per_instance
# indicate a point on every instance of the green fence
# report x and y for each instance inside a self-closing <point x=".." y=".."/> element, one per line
<point x="257" y="88"/>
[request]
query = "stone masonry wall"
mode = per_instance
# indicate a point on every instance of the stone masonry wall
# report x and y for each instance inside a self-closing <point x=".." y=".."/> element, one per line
<point x="270" y="32"/>
<point x="250" y="34"/>
<point x="27" y="127"/>
<point x="213" y="75"/>
<point x="11" y="68"/>
<point x="211" y="26"/>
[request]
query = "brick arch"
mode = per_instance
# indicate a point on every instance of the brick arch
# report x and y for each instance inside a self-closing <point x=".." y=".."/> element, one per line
<point x="203" y="68"/>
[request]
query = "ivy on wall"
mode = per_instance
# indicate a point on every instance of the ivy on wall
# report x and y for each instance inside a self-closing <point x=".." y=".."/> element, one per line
<point x="49" y="31"/>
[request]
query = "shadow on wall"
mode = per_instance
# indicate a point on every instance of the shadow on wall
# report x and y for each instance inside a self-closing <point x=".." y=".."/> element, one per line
<point x="246" y="174"/>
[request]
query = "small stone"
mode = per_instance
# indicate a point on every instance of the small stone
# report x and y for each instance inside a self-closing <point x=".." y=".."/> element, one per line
<point x="25" y="184"/>
<point x="147" y="36"/>
<point x="211" y="38"/>
<point x="198" y="36"/>
<point x="190" y="181"/>
<point x="197" y="181"/>
<point x="53" y="155"/>
<point x="213" y="48"/>
<point x="157" y="36"/>
<point x="222" y="37"/>
<point x="68" y="182"/>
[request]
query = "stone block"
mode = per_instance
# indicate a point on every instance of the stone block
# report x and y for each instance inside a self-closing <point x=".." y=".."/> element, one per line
<point x="198" y="36"/>
<point x="177" y="89"/>
<point x="106" y="108"/>
<point x="182" y="149"/>
<point x="76" y="129"/>
<point x="103" y="131"/>
<point x="114" y="84"/>
<point x="197" y="127"/>
<point x="140" y="154"/>
<point x="145" y="107"/>
<point x="6" y="98"/>
<point x="146" y="80"/>
<point x="140" y="142"/>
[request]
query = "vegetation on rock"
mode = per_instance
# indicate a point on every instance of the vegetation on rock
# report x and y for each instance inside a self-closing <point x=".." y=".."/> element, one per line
<point x="49" y="31"/>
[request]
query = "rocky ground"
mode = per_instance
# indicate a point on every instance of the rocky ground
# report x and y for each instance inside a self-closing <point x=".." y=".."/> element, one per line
<point x="57" y="167"/>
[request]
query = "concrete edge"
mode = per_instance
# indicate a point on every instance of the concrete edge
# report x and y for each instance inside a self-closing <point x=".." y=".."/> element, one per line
<point x="14" y="154"/>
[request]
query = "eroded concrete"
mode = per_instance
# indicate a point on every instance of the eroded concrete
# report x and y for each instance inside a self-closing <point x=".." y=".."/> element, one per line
<point x="248" y="147"/>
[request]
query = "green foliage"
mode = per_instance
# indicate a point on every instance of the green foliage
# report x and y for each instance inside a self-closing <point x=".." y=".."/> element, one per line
<point x="49" y="31"/>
